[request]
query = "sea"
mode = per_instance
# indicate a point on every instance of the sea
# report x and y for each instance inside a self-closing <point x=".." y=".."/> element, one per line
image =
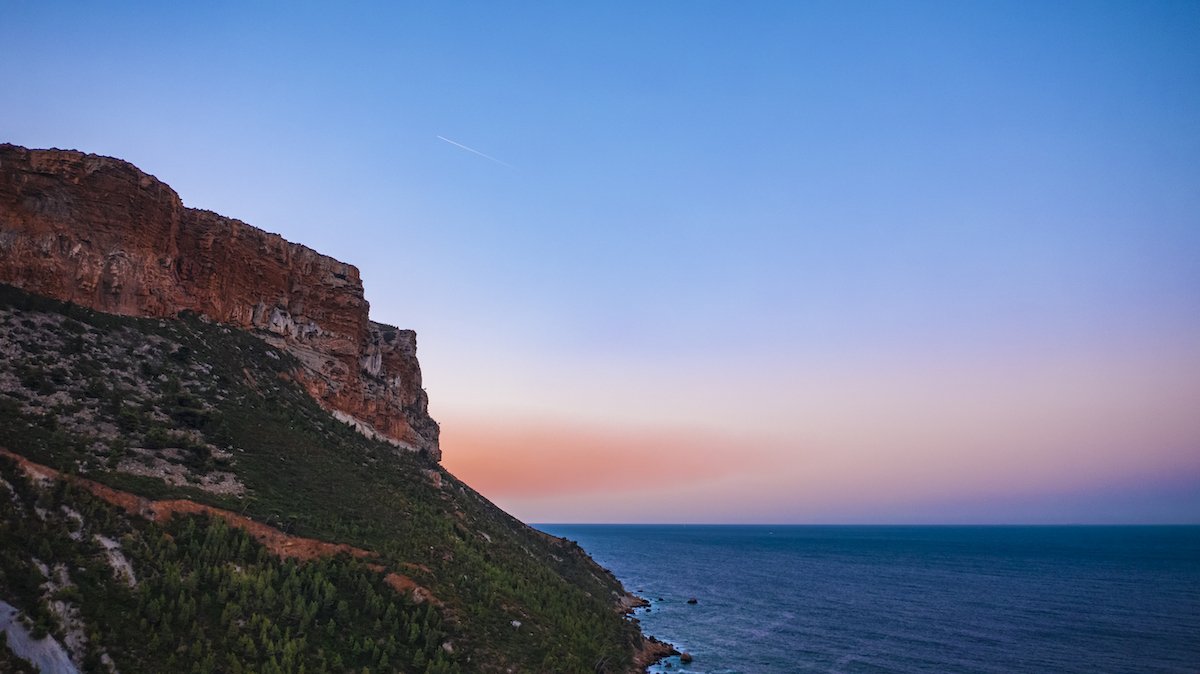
<point x="1002" y="599"/>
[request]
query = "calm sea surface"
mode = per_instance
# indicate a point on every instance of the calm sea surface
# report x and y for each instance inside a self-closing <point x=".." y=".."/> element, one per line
<point x="912" y="599"/>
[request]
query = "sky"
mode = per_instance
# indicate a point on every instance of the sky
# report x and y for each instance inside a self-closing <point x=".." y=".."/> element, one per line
<point x="786" y="262"/>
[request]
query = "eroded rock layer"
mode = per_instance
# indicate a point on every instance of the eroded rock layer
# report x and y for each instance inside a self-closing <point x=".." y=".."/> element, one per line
<point x="101" y="233"/>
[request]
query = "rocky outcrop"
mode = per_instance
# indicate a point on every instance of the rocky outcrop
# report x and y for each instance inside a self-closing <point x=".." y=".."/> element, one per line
<point x="99" y="232"/>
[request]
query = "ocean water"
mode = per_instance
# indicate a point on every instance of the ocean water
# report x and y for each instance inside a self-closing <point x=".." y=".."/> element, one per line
<point x="912" y="599"/>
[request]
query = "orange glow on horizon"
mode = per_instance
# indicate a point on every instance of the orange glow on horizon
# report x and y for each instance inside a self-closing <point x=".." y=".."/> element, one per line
<point x="546" y="459"/>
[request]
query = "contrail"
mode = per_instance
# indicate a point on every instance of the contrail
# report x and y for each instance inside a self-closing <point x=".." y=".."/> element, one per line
<point x="477" y="152"/>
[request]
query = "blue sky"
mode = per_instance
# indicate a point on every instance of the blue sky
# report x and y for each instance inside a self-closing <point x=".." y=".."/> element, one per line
<point x="717" y="217"/>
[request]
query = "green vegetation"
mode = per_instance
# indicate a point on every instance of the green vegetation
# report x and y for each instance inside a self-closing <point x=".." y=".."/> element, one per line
<point x="188" y="409"/>
<point x="211" y="599"/>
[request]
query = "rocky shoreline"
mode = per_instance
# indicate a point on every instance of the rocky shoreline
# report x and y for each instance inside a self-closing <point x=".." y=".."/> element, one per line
<point x="652" y="650"/>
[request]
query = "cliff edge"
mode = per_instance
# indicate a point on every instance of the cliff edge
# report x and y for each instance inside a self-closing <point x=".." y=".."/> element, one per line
<point x="99" y="232"/>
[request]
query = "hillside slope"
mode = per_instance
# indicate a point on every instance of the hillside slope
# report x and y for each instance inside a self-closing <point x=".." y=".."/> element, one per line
<point x="191" y="409"/>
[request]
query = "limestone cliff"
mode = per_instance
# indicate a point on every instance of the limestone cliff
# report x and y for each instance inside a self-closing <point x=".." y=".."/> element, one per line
<point x="99" y="232"/>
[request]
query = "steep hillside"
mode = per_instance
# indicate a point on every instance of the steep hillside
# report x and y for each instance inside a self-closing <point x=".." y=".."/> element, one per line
<point x="190" y="409"/>
<point x="182" y="492"/>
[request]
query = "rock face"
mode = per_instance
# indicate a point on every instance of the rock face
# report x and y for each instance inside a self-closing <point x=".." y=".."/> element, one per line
<point x="99" y="232"/>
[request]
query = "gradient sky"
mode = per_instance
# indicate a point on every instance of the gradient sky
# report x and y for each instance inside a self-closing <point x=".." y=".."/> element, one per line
<point x="741" y="262"/>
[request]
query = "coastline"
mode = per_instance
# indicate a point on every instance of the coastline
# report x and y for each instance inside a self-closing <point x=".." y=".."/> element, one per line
<point x="651" y="652"/>
<point x="652" y="649"/>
